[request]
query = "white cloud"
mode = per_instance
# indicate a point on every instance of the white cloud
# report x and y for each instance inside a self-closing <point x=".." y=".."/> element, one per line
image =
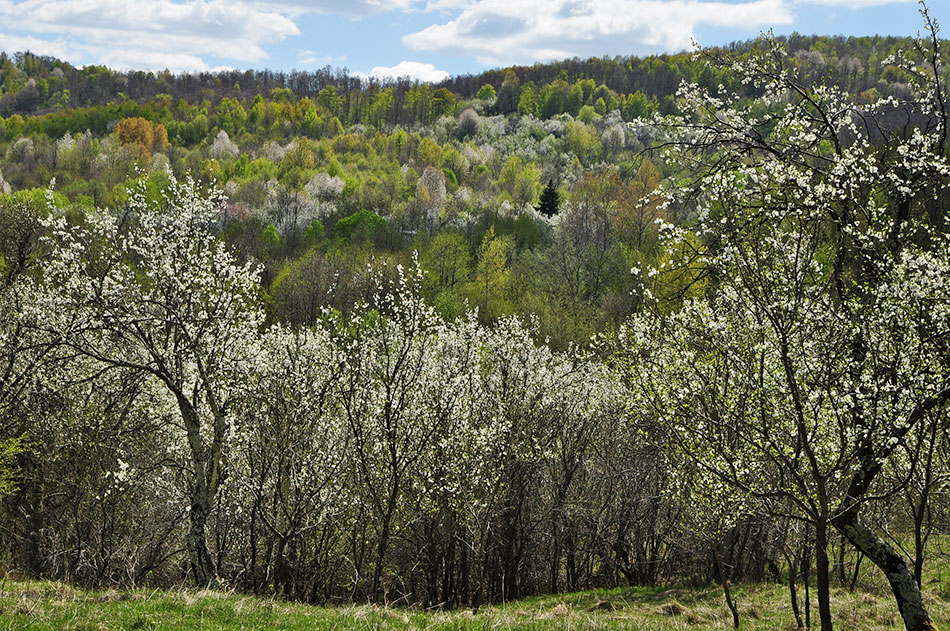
<point x="313" y="58"/>
<point x="412" y="69"/>
<point x="351" y="8"/>
<point x="150" y="33"/>
<point x="523" y="31"/>
<point x="55" y="48"/>
<point x="177" y="34"/>
<point x="854" y="4"/>
<point x="443" y="5"/>
<point x="132" y="59"/>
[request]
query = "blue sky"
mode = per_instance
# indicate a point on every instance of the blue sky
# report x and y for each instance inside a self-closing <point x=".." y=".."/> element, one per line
<point x="427" y="39"/>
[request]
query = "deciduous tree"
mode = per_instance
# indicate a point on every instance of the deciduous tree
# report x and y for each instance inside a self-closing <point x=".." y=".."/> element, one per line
<point x="153" y="291"/>
<point x="819" y="348"/>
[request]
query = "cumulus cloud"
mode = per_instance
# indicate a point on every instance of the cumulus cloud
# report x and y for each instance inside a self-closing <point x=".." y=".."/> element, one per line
<point x="312" y="58"/>
<point x="442" y="5"/>
<point x="352" y="8"/>
<point x="55" y="48"/>
<point x="522" y="31"/>
<point x="175" y="34"/>
<point x="412" y="69"/>
<point x="133" y="59"/>
<point x="185" y="35"/>
<point x="150" y="33"/>
<point x="855" y="4"/>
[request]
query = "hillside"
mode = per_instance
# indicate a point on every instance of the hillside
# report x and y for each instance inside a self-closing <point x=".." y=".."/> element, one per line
<point x="440" y="165"/>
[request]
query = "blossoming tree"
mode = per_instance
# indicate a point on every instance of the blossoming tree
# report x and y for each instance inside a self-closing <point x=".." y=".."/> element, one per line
<point x="153" y="291"/>
<point x="819" y="346"/>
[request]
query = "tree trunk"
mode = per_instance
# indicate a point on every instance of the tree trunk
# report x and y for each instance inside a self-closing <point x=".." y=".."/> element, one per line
<point x="378" y="566"/>
<point x="724" y="581"/>
<point x="910" y="602"/>
<point x="920" y="537"/>
<point x="572" y="577"/>
<point x="792" y="591"/>
<point x="252" y="539"/>
<point x="202" y="564"/>
<point x="806" y="577"/>
<point x="857" y="571"/>
<point x="822" y="575"/>
<point x="842" y="579"/>
<point x="918" y="556"/>
<point x="204" y="486"/>
<point x="384" y="544"/>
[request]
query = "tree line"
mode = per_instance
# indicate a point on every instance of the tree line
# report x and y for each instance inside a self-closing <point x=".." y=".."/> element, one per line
<point x="33" y="84"/>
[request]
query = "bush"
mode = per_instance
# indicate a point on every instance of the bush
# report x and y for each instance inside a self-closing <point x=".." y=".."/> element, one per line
<point x="360" y="226"/>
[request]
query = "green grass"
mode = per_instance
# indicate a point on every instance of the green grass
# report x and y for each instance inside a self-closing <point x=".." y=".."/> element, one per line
<point x="47" y="605"/>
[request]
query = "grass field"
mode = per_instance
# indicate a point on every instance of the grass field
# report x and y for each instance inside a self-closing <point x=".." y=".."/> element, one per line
<point x="55" y="606"/>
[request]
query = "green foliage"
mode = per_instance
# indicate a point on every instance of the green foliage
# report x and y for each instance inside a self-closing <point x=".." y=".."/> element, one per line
<point x="582" y="140"/>
<point x="681" y="276"/>
<point x="231" y="116"/>
<point x="13" y="126"/>
<point x="35" y="198"/>
<point x="270" y="238"/>
<point x="314" y="235"/>
<point x="429" y="152"/>
<point x="486" y="93"/>
<point x="196" y="131"/>
<point x="479" y="245"/>
<point x="528" y="100"/>
<point x="361" y="226"/>
<point x="9" y="450"/>
<point x="450" y="178"/>
<point x="447" y="261"/>
<point x="520" y="182"/>
<point x="494" y="166"/>
<point x="588" y="114"/>
<point x="491" y="285"/>
<point x="84" y="202"/>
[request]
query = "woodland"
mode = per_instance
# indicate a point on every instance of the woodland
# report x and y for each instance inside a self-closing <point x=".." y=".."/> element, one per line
<point x="678" y="320"/>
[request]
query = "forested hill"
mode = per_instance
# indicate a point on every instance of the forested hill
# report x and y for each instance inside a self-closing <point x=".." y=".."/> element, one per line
<point x="36" y="85"/>
<point x="327" y="174"/>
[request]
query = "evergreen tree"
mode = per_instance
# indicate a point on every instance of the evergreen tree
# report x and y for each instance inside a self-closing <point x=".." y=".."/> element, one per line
<point x="549" y="201"/>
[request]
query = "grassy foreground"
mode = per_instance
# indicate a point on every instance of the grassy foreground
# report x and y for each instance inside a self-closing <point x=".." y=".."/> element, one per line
<point x="46" y="605"/>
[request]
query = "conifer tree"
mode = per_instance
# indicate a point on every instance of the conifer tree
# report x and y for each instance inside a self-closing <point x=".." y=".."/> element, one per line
<point x="549" y="201"/>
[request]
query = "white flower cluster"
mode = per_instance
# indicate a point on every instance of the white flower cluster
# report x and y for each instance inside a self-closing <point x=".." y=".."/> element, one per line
<point x="386" y="409"/>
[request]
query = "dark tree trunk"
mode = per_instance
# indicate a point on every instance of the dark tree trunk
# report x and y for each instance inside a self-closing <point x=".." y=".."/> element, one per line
<point x="842" y="579"/>
<point x="856" y="573"/>
<point x="822" y="575"/>
<point x="806" y="577"/>
<point x="726" y="586"/>
<point x="919" y="543"/>
<point x="792" y="591"/>
<point x="920" y="512"/>
<point x="383" y="546"/>
<point x="572" y="574"/>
